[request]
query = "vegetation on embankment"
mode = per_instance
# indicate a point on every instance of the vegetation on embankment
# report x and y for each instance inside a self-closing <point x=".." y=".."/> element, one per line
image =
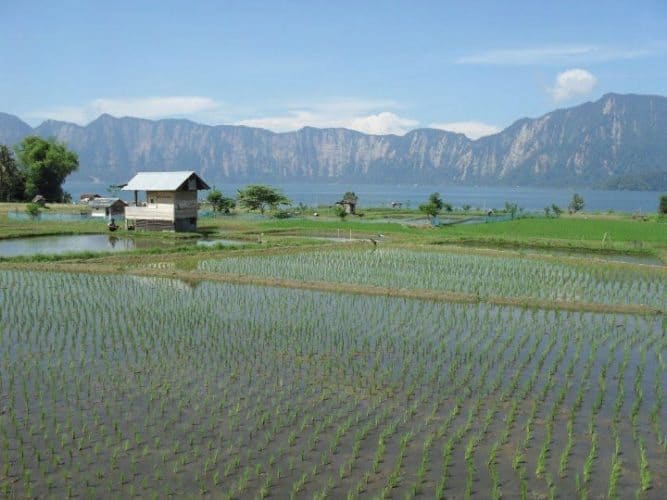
<point x="586" y="233"/>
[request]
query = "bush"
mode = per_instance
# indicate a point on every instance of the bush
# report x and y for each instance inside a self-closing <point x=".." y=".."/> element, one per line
<point x="32" y="209"/>
<point x="282" y="214"/>
<point x="662" y="207"/>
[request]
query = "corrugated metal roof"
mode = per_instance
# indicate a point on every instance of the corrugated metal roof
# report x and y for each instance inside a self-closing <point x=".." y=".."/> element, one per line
<point x="162" y="181"/>
<point x="104" y="202"/>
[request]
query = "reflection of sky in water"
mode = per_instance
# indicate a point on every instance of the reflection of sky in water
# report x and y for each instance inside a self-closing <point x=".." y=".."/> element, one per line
<point x="85" y="243"/>
<point x="64" y="244"/>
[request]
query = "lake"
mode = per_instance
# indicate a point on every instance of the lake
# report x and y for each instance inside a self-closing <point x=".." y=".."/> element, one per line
<point x="412" y="195"/>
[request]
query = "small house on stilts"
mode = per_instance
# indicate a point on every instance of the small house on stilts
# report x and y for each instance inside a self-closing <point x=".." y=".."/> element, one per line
<point x="170" y="202"/>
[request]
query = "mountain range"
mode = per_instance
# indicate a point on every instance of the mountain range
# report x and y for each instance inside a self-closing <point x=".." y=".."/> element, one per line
<point x="618" y="142"/>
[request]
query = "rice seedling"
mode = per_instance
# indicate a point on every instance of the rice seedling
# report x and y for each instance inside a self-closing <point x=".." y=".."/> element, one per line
<point x="215" y="388"/>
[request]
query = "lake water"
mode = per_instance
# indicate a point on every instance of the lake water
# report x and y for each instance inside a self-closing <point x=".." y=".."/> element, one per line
<point x="412" y="195"/>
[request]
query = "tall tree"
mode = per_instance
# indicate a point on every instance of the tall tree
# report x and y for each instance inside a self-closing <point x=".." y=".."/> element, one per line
<point x="258" y="197"/>
<point x="433" y="206"/>
<point x="219" y="202"/>
<point x="662" y="206"/>
<point x="576" y="204"/>
<point x="12" y="183"/>
<point x="45" y="165"/>
<point x="350" y="196"/>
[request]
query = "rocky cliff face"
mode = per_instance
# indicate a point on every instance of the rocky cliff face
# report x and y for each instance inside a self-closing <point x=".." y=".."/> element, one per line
<point x="618" y="135"/>
<point x="12" y="129"/>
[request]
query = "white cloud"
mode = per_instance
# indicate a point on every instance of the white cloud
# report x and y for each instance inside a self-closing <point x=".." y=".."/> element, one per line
<point x="572" y="83"/>
<point x="559" y="54"/>
<point x="368" y="116"/>
<point x="472" y="130"/>
<point x="146" y="107"/>
<point x="364" y="116"/>
<point x="382" y="123"/>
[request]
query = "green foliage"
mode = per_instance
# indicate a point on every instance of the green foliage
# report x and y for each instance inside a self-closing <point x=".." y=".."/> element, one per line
<point x="32" y="209"/>
<point x="282" y="214"/>
<point x="662" y="207"/>
<point x="219" y="202"/>
<point x="433" y="206"/>
<point x="45" y="165"/>
<point x="259" y="197"/>
<point x="12" y="182"/>
<point x="557" y="211"/>
<point x="351" y="197"/>
<point x="651" y="180"/>
<point x="576" y="204"/>
<point x="553" y="211"/>
<point x="340" y="211"/>
<point x="512" y="209"/>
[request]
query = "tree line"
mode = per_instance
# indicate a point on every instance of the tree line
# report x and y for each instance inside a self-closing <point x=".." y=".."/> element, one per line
<point x="36" y="167"/>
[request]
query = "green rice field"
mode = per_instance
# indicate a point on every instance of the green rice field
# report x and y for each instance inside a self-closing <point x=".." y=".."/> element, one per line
<point x="120" y="385"/>
<point x="456" y="272"/>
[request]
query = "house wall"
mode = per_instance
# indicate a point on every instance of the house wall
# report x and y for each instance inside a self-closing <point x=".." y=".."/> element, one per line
<point x="164" y="210"/>
<point x="185" y="204"/>
<point x="186" y="210"/>
<point x="117" y="210"/>
<point x="159" y="206"/>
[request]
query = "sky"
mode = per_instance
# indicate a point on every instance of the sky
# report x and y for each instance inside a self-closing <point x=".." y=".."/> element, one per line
<point x="472" y="67"/>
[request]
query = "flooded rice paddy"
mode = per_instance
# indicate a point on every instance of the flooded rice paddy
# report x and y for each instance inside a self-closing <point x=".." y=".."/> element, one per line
<point x="509" y="276"/>
<point x="129" y="386"/>
<point x="92" y="243"/>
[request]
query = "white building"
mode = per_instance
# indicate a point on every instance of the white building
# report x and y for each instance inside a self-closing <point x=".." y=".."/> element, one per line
<point x="107" y="207"/>
<point x="170" y="201"/>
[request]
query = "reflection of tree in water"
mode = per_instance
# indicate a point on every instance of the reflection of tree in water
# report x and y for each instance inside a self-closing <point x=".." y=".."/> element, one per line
<point x="112" y="241"/>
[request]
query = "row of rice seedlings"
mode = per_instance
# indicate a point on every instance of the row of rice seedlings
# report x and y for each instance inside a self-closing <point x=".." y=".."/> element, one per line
<point x="187" y="384"/>
<point x="475" y="274"/>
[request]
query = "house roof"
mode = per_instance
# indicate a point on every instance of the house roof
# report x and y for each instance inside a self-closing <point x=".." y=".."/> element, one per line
<point x="163" y="181"/>
<point x="104" y="202"/>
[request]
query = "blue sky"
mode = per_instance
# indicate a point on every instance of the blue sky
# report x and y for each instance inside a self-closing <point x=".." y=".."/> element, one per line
<point x="378" y="67"/>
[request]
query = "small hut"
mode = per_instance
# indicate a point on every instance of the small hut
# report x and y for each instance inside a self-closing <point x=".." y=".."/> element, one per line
<point x="170" y="203"/>
<point x="349" y="202"/>
<point x="107" y="207"/>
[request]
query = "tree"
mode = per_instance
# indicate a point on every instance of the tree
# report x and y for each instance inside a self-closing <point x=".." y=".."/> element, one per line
<point x="576" y="204"/>
<point x="12" y="183"/>
<point x="662" y="208"/>
<point x="219" y="202"/>
<point x="556" y="210"/>
<point x="511" y="208"/>
<point x="340" y="211"/>
<point x="433" y="206"/>
<point x="258" y="197"/>
<point x="351" y="197"/>
<point x="33" y="210"/>
<point x="45" y="165"/>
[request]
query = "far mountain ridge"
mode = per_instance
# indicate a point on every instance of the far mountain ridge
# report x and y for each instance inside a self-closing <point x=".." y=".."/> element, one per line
<point x="595" y="144"/>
